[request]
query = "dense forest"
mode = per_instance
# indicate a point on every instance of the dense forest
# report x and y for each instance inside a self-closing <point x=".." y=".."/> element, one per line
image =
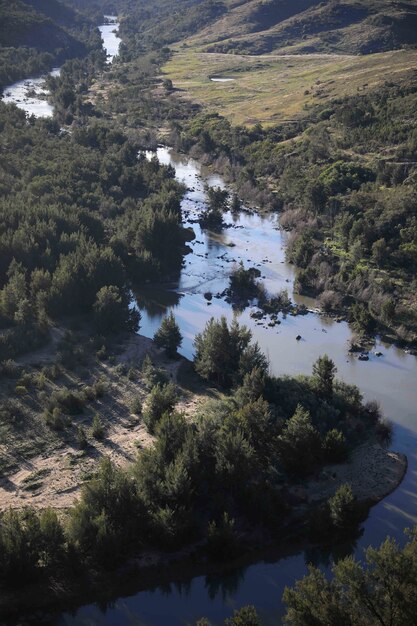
<point x="104" y="219"/>
<point x="35" y="36"/>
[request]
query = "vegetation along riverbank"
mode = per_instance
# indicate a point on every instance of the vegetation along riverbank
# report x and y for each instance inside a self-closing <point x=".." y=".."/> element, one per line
<point x="116" y="454"/>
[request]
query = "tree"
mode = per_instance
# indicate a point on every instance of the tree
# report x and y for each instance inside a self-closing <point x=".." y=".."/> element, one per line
<point x="379" y="251"/>
<point x="112" y="313"/>
<point x="381" y="592"/>
<point x="246" y="616"/>
<point x="226" y="354"/>
<point x="162" y="399"/>
<point x="324" y="371"/>
<point x="168" y="336"/>
<point x="217" y="204"/>
<point x="299" y="443"/>
<point x="343" y="508"/>
<point x="235" y="205"/>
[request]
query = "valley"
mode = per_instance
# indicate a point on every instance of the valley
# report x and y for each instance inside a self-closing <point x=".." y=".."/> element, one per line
<point x="208" y="309"/>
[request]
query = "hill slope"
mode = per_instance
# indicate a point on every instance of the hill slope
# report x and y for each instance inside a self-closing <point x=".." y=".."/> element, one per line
<point x="38" y="25"/>
<point x="344" y="26"/>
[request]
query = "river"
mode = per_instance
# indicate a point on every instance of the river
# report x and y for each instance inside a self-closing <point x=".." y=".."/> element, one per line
<point x="31" y="94"/>
<point x="390" y="379"/>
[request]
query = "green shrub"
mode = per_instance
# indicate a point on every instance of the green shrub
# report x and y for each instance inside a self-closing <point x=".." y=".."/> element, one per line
<point x="97" y="429"/>
<point x="222" y="539"/>
<point x="162" y="399"/>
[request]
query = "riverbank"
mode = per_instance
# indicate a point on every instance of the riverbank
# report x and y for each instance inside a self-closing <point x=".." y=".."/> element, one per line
<point x="36" y="604"/>
<point x="372" y="472"/>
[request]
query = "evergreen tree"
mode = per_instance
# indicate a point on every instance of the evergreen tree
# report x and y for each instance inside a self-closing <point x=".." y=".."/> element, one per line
<point x="324" y="371"/>
<point x="168" y="336"/>
<point x="299" y="443"/>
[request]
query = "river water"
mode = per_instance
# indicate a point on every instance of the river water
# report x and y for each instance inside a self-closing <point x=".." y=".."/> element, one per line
<point x="31" y="94"/>
<point x="391" y="379"/>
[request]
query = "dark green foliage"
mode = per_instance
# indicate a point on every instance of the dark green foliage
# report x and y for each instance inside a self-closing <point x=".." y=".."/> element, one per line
<point x="299" y="444"/>
<point x="71" y="231"/>
<point x="168" y="336"/>
<point x="29" y="544"/>
<point x="109" y="520"/>
<point x="381" y="591"/>
<point x="221" y="539"/>
<point x="243" y="282"/>
<point x="162" y="399"/>
<point x="246" y="616"/>
<point x="324" y="371"/>
<point x="226" y="354"/>
<point x="335" y="447"/>
<point x="212" y="217"/>
<point x="361" y="318"/>
<point x="343" y="509"/>
<point x="112" y="313"/>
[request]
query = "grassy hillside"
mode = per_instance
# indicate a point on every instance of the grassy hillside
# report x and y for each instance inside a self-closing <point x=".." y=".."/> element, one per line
<point x="346" y="26"/>
<point x="274" y="88"/>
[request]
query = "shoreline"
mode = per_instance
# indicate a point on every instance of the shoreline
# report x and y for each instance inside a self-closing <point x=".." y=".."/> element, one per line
<point x="153" y="569"/>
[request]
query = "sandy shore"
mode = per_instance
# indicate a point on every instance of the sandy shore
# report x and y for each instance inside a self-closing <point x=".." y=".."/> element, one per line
<point x="373" y="472"/>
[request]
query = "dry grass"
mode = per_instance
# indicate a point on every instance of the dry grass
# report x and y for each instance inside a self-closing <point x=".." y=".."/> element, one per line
<point x="275" y="88"/>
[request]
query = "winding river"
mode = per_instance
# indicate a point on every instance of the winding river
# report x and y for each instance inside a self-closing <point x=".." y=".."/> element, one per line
<point x="31" y="94"/>
<point x="391" y="379"/>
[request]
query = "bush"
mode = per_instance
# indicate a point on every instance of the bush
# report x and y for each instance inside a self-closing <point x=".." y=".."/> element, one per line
<point x="54" y="419"/>
<point x="136" y="405"/>
<point x="81" y="438"/>
<point x="334" y="447"/>
<point x="221" y="539"/>
<point x="162" y="399"/>
<point x="71" y="402"/>
<point x="97" y="429"/>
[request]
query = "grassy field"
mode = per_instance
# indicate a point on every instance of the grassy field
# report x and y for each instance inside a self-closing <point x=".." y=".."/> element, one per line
<point x="275" y="88"/>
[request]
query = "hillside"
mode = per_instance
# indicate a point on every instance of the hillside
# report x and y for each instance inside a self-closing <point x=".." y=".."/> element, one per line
<point x="36" y="35"/>
<point x="346" y="26"/>
<point x="36" y="25"/>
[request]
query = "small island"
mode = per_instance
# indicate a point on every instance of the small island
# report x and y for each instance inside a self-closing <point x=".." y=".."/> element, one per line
<point x="146" y="459"/>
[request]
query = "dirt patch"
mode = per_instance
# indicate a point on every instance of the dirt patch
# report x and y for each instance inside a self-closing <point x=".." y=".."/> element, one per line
<point x="55" y="476"/>
<point x="373" y="472"/>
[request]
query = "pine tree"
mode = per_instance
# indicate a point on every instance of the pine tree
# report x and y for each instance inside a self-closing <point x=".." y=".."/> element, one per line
<point x="168" y="336"/>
